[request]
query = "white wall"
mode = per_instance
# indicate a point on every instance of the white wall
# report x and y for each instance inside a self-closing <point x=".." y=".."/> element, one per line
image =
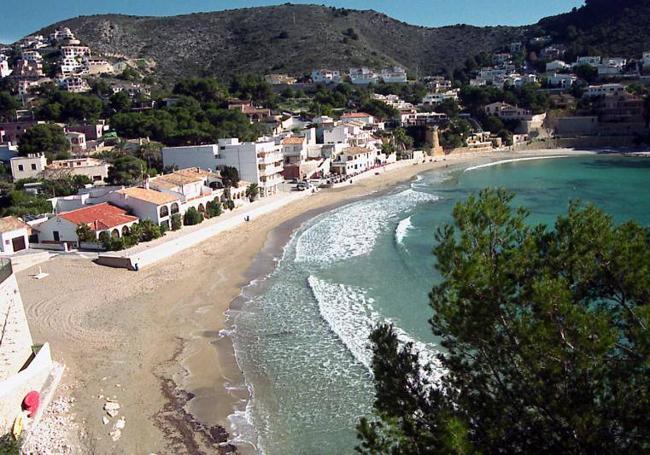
<point x="202" y="156"/>
<point x="6" y="246"/>
<point x="66" y="229"/>
<point x="142" y="209"/>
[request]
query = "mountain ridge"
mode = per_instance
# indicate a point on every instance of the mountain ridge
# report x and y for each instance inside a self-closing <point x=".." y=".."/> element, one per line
<point x="297" y="38"/>
<point x="282" y="38"/>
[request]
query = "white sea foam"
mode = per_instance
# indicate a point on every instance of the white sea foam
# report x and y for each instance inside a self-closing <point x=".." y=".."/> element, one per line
<point x="351" y="316"/>
<point x="353" y="230"/>
<point x="402" y="230"/>
<point x="515" y="160"/>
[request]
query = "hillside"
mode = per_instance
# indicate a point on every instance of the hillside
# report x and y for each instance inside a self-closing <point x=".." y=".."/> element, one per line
<point x="287" y="38"/>
<point x="606" y="27"/>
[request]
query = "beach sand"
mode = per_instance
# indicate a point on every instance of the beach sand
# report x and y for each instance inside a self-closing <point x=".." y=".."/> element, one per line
<point x="150" y="339"/>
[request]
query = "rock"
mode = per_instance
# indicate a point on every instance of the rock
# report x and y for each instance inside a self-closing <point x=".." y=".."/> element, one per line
<point x="111" y="408"/>
<point x="120" y="424"/>
<point x="115" y="435"/>
<point x="105" y="420"/>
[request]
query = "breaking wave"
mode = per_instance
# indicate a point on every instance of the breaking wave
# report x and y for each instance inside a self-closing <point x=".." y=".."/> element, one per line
<point x="402" y="230"/>
<point x="351" y="316"/>
<point x="353" y="230"/>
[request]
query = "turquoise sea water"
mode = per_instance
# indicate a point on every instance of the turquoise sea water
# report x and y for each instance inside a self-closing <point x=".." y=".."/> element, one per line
<point x="300" y="335"/>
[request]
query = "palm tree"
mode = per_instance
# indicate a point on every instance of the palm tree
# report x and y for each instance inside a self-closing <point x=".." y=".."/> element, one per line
<point x="402" y="141"/>
<point x="252" y="191"/>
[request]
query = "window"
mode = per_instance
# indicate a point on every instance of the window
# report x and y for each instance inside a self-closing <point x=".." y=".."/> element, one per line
<point x="164" y="211"/>
<point x="20" y="167"/>
<point x="56" y="236"/>
<point x="33" y="166"/>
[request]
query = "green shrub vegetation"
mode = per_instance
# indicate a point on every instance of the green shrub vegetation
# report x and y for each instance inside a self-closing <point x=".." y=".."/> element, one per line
<point x="192" y="217"/>
<point x="544" y="334"/>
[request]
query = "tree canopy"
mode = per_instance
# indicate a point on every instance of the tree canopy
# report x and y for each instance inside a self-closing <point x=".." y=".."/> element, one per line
<point x="544" y="336"/>
<point x="126" y="170"/>
<point x="45" y="138"/>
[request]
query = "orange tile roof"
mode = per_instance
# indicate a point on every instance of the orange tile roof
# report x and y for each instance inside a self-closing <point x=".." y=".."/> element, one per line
<point x="293" y="140"/>
<point x="151" y="196"/>
<point x="355" y="115"/>
<point x="11" y="223"/>
<point x="99" y="217"/>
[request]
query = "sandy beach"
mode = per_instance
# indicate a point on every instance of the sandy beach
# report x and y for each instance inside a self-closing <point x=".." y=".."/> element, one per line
<point x="150" y="339"/>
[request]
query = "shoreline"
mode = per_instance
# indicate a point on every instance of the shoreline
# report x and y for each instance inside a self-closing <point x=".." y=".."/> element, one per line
<point x="129" y="334"/>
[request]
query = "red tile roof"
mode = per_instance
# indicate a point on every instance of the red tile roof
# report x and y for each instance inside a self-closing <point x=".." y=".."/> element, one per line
<point x="355" y="115"/>
<point x="99" y="217"/>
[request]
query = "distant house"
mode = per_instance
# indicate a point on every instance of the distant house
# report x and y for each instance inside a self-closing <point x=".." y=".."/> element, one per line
<point x="354" y="160"/>
<point x="434" y="99"/>
<point x="556" y="65"/>
<point x="96" y="170"/>
<point x="563" y="81"/>
<point x="254" y="114"/>
<point x="280" y="79"/>
<point x="362" y="117"/>
<point x="74" y="84"/>
<point x="506" y="111"/>
<point x="393" y="75"/>
<point x="325" y="76"/>
<point x="26" y="167"/>
<point x="148" y="204"/>
<point x="75" y="51"/>
<point x="588" y="60"/>
<point x="13" y="131"/>
<point x="363" y="76"/>
<point x="77" y="141"/>
<point x="62" y="228"/>
<point x="14" y="235"/>
<point x="605" y="89"/>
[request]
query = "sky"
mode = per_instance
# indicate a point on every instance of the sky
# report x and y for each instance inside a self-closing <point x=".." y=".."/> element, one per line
<point x="27" y="16"/>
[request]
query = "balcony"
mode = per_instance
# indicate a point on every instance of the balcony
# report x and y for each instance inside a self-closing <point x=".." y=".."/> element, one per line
<point x="269" y="158"/>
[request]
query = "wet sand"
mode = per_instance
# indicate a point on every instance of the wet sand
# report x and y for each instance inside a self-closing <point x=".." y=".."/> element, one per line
<point x="151" y="338"/>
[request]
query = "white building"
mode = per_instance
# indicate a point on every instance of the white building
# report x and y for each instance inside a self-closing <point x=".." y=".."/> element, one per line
<point x="354" y="160"/>
<point x="363" y="76"/>
<point x="506" y="111"/>
<point x="605" y="89"/>
<point x="258" y="162"/>
<point x="394" y="75"/>
<point x="14" y="235"/>
<point x="588" y="60"/>
<point x="556" y="65"/>
<point x="148" y="204"/>
<point x="26" y="167"/>
<point x="347" y="133"/>
<point x="75" y="51"/>
<point x="96" y="170"/>
<point x="325" y="76"/>
<point x="4" y="67"/>
<point x="62" y="227"/>
<point x="361" y="117"/>
<point x="561" y="80"/>
<point x="74" y="84"/>
<point x="434" y="99"/>
<point x="71" y="66"/>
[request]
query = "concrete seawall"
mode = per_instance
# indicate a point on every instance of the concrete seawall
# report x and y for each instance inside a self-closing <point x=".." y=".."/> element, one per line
<point x="144" y="255"/>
